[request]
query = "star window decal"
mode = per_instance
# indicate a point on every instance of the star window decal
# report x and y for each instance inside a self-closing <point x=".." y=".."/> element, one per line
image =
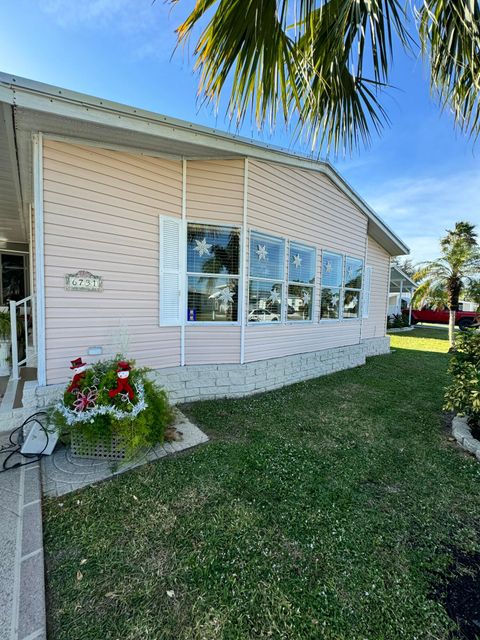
<point x="297" y="261"/>
<point x="274" y="296"/>
<point x="262" y="252"/>
<point x="202" y="247"/>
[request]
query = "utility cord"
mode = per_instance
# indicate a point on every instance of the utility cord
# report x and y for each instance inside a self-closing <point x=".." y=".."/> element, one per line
<point x="16" y="440"/>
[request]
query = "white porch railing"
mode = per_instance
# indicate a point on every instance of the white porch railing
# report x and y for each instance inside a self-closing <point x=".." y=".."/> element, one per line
<point x="16" y="321"/>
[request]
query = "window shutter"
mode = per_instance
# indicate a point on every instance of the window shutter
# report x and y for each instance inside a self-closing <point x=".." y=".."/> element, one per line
<point x="170" y="271"/>
<point x="367" y="285"/>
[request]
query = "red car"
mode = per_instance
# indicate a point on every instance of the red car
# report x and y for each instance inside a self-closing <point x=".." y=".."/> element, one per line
<point x="463" y="319"/>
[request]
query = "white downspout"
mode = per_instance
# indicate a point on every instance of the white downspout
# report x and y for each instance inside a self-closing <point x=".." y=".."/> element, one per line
<point x="243" y="291"/>
<point x="183" y="290"/>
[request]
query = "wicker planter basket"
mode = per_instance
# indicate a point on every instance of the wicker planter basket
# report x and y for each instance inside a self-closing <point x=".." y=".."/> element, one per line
<point x="80" y="447"/>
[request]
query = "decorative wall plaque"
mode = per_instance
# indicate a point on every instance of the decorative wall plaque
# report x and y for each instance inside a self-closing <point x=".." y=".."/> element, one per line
<point x="83" y="281"/>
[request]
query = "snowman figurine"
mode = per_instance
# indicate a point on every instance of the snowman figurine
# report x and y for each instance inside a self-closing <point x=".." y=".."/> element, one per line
<point x="123" y="386"/>
<point x="78" y="367"/>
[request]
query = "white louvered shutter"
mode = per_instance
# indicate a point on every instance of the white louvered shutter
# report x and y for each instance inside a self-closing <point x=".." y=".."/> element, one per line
<point x="170" y="271"/>
<point x="367" y="286"/>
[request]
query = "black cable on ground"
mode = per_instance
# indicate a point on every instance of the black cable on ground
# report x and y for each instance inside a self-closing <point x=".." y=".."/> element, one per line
<point x="16" y="440"/>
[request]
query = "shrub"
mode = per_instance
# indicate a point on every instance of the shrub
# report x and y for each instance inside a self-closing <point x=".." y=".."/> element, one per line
<point x="397" y="321"/>
<point x="463" y="394"/>
<point x="139" y="422"/>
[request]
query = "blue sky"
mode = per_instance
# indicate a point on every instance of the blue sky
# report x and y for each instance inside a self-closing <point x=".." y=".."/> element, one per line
<point x="420" y="175"/>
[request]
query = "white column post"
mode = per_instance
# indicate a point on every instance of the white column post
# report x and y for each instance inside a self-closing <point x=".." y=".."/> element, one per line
<point x="410" y="306"/>
<point x="399" y="306"/>
<point x="39" y="257"/>
<point x="32" y="277"/>
<point x="14" y="338"/>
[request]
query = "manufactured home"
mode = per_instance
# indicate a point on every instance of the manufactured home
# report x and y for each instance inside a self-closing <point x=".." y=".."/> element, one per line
<point x="227" y="266"/>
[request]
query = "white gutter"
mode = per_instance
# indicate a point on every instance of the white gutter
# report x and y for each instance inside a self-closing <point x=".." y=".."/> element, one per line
<point x="69" y="104"/>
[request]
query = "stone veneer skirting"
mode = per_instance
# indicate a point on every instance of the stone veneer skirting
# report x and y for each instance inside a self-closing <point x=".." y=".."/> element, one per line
<point x="212" y="381"/>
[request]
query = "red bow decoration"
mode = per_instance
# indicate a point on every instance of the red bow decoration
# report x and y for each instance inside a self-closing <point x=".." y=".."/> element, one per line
<point x="123" y="385"/>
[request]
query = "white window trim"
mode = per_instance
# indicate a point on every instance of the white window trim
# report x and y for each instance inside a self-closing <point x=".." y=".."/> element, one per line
<point x="227" y="276"/>
<point x="289" y="282"/>
<point x="359" y="291"/>
<point x="366" y="312"/>
<point x="281" y="281"/>
<point x="340" y="288"/>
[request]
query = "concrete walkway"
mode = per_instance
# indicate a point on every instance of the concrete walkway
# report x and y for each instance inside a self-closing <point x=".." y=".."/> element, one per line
<point x="22" y="588"/>
<point x="22" y="582"/>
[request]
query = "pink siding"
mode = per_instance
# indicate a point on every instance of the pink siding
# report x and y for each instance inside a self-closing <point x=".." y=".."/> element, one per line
<point x="214" y="194"/>
<point x="212" y="345"/>
<point x="215" y="190"/>
<point x="378" y="258"/>
<point x="101" y="214"/>
<point x="304" y="206"/>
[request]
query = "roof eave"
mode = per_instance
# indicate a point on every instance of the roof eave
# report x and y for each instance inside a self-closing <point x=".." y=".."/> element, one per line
<point x="46" y="98"/>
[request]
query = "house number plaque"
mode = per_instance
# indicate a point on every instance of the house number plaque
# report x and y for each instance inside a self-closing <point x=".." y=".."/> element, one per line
<point x="83" y="281"/>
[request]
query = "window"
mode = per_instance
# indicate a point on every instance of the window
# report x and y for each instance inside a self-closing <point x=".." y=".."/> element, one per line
<point x="301" y="282"/>
<point x="267" y="274"/>
<point x="213" y="267"/>
<point x="353" y="287"/>
<point x="332" y="273"/>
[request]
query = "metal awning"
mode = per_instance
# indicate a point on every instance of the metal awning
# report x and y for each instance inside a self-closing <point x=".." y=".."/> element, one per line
<point x="400" y="282"/>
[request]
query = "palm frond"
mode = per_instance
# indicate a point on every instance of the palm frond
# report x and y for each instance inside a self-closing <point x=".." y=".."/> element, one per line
<point x="450" y="36"/>
<point x="313" y="67"/>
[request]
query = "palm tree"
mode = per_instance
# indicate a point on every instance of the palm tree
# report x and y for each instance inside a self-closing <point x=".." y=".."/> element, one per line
<point x="457" y="266"/>
<point x="329" y="61"/>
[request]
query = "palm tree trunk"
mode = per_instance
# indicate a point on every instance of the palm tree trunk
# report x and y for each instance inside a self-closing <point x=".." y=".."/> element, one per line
<point x="451" y="328"/>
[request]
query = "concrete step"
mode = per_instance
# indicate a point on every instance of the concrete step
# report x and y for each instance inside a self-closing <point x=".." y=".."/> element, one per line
<point x="10" y="420"/>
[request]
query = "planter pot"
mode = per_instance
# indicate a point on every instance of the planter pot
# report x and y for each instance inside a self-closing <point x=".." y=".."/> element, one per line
<point x="80" y="447"/>
<point x="4" y="357"/>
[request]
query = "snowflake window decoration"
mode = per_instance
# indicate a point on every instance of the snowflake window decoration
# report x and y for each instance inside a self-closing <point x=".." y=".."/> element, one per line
<point x="297" y="261"/>
<point x="328" y="266"/>
<point x="262" y="252"/>
<point x="226" y="298"/>
<point x="274" y="296"/>
<point x="306" y="297"/>
<point x="334" y="300"/>
<point x="202" y="247"/>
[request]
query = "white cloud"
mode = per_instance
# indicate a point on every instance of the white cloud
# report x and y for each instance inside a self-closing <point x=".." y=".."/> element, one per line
<point x="420" y="209"/>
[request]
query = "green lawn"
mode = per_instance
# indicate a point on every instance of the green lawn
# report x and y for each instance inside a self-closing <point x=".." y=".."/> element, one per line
<point x="335" y="508"/>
